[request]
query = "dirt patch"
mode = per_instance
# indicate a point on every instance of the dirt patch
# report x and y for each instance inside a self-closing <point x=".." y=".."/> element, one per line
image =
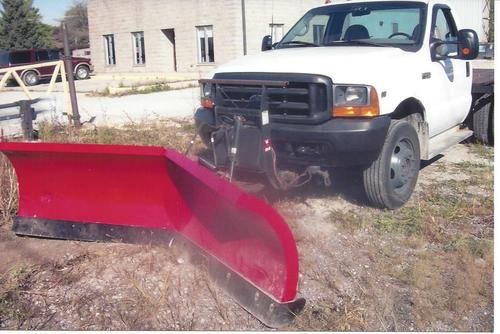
<point x="426" y="267"/>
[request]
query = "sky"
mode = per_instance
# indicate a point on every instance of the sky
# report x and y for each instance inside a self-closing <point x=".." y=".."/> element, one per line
<point x="51" y="10"/>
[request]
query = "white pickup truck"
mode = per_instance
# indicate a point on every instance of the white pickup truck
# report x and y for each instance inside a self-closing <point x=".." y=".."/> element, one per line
<point x="375" y="84"/>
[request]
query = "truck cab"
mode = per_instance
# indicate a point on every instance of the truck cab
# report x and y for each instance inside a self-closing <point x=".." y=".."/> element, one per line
<point x="375" y="84"/>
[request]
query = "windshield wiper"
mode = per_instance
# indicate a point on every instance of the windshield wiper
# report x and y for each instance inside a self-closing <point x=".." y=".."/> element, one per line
<point x="300" y="43"/>
<point x="356" y="42"/>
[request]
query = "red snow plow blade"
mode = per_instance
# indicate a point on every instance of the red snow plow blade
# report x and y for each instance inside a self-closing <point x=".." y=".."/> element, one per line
<point x="145" y="194"/>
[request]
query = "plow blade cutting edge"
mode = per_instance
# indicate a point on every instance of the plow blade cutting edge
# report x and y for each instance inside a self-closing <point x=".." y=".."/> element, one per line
<point x="152" y="194"/>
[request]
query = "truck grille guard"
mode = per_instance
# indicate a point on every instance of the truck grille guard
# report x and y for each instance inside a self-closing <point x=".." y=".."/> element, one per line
<point x="297" y="98"/>
<point x="231" y="120"/>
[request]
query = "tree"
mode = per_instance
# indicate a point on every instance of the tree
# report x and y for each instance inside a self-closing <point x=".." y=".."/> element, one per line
<point x="491" y="35"/>
<point x="21" y="26"/>
<point x="77" y="21"/>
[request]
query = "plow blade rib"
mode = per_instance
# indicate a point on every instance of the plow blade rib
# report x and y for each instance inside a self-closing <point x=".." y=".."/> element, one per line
<point x="145" y="194"/>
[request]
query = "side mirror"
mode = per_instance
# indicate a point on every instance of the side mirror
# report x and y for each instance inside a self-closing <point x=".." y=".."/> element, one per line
<point x="466" y="47"/>
<point x="468" y="43"/>
<point x="267" y="43"/>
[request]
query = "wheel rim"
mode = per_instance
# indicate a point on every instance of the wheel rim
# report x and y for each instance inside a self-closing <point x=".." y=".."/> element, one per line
<point x="403" y="165"/>
<point x="82" y="73"/>
<point x="31" y="78"/>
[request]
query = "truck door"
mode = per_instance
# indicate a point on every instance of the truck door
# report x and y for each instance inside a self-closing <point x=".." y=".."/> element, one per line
<point x="42" y="56"/>
<point x="450" y="79"/>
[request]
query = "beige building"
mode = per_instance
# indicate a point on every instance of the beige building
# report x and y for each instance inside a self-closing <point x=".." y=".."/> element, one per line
<point x="184" y="35"/>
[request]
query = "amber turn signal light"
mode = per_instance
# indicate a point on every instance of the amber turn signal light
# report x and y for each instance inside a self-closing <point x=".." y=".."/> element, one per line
<point x="370" y="110"/>
<point x="207" y="103"/>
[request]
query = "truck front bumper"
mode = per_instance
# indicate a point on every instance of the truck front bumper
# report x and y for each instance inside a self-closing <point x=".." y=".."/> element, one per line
<point x="335" y="143"/>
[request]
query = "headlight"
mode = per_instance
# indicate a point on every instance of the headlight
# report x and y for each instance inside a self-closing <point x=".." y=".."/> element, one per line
<point x="207" y="96"/>
<point x="355" y="101"/>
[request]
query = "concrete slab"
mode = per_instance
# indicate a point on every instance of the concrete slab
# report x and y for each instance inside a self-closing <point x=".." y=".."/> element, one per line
<point x="102" y="81"/>
<point x="109" y="111"/>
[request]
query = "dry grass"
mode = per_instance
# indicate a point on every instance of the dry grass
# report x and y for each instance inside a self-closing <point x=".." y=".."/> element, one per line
<point x="440" y="247"/>
<point x="173" y="134"/>
<point x="8" y="191"/>
<point x="15" y="308"/>
<point x="140" y="89"/>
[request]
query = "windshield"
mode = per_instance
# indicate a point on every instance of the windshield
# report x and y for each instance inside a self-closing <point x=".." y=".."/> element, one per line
<point x="4" y="58"/>
<point x="397" y="24"/>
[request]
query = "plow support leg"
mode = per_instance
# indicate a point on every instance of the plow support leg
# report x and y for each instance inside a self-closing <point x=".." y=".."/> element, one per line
<point x="139" y="194"/>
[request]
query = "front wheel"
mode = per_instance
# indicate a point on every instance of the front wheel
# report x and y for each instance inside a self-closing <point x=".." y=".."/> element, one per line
<point x="390" y="180"/>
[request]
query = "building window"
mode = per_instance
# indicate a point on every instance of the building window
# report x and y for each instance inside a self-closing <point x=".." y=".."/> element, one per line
<point x="277" y="31"/>
<point x="139" y="48"/>
<point x="109" y="49"/>
<point x="205" y="45"/>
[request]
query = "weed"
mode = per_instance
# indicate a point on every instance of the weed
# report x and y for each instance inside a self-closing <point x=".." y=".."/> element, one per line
<point x="478" y="248"/>
<point x="407" y="221"/>
<point x="8" y="191"/>
<point x="14" y="308"/>
<point x="326" y="314"/>
<point x="348" y="220"/>
<point x="168" y="134"/>
<point x="140" y="89"/>
<point x="483" y="151"/>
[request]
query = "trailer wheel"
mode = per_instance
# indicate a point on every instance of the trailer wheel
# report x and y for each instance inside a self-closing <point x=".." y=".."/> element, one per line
<point x="390" y="180"/>
<point x="483" y="124"/>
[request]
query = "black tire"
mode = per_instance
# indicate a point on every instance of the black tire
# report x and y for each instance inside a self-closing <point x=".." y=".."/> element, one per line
<point x="482" y="123"/>
<point x="31" y="78"/>
<point x="390" y="180"/>
<point x="82" y="72"/>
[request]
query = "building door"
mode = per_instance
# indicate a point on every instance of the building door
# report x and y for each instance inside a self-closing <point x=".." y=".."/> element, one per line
<point x="170" y="34"/>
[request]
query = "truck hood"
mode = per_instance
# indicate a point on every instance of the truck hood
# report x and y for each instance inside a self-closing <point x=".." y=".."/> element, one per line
<point x="347" y="64"/>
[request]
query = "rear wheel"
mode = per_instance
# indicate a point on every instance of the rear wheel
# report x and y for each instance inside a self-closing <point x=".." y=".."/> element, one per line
<point x="31" y="78"/>
<point x="483" y="124"/>
<point x="390" y="180"/>
<point x="82" y="72"/>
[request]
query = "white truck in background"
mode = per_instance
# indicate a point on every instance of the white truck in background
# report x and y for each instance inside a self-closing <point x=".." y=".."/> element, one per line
<point x="375" y="84"/>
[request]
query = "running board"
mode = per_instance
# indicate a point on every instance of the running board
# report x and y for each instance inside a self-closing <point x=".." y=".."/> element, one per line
<point x="445" y="140"/>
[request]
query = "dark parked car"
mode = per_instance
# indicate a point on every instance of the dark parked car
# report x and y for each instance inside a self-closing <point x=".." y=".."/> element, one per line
<point x="82" y="67"/>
